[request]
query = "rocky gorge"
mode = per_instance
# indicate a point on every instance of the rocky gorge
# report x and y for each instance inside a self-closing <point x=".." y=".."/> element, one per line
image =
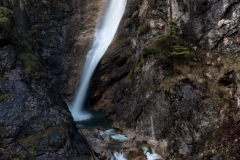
<point x="170" y="78"/>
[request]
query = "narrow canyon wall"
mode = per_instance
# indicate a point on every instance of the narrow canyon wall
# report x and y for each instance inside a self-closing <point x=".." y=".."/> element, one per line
<point x="171" y="77"/>
<point x="42" y="47"/>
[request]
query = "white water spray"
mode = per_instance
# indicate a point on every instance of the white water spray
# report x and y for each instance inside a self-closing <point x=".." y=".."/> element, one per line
<point x="104" y="34"/>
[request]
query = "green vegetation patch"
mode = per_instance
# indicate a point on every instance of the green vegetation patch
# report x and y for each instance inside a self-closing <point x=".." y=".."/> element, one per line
<point x="182" y="71"/>
<point x="30" y="62"/>
<point x="177" y="48"/>
<point x="30" y="140"/>
<point x="5" y="15"/>
<point x="148" y="50"/>
<point x="143" y="30"/>
<point x="4" y="96"/>
<point x="154" y="5"/>
<point x="31" y="156"/>
<point x="126" y="80"/>
<point x="26" y="48"/>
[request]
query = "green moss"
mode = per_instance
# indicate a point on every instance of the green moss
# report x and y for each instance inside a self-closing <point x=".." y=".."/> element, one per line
<point x="126" y="80"/>
<point x="162" y="44"/>
<point x="44" y="2"/>
<point x="124" y="41"/>
<point x="126" y="22"/>
<point x="4" y="20"/>
<point x="5" y="16"/>
<point x="68" y="114"/>
<point x="140" y="1"/>
<point x="30" y="62"/>
<point x="154" y="5"/>
<point x="30" y="140"/>
<point x="22" y="43"/>
<point x="26" y="47"/>
<point x="44" y="123"/>
<point x="30" y="156"/>
<point x="14" y="35"/>
<point x="219" y="92"/>
<point x="4" y="96"/>
<point x="137" y="69"/>
<point x="51" y="142"/>
<point x="162" y="59"/>
<point x="220" y="152"/>
<point x="180" y="54"/>
<point x="147" y="51"/>
<point x="143" y="30"/>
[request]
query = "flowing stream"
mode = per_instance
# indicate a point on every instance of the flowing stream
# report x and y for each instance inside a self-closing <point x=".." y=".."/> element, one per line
<point x="104" y="34"/>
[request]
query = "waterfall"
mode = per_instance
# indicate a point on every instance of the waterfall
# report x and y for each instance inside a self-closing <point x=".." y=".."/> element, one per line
<point x="104" y="34"/>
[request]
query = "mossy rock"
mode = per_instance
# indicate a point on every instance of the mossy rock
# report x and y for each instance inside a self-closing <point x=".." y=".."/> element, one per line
<point x="148" y="50"/>
<point x="143" y="30"/>
<point x="30" y="62"/>
<point x="31" y="140"/>
<point x="5" y="16"/>
<point x="4" y="96"/>
<point x="30" y="156"/>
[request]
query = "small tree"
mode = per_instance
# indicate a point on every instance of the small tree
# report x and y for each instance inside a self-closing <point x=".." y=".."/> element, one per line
<point x="177" y="49"/>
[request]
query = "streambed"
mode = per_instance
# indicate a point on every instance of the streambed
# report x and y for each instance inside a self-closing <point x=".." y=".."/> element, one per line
<point x="110" y="144"/>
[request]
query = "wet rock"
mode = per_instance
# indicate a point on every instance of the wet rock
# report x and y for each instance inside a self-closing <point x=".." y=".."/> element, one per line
<point x="128" y="144"/>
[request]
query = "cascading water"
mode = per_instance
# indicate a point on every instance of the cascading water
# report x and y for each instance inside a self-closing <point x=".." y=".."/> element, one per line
<point x="104" y="34"/>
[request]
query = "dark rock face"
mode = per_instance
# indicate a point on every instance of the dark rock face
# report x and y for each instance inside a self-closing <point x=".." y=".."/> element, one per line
<point x="35" y="122"/>
<point x="59" y="33"/>
<point x="8" y="58"/>
<point x="215" y="25"/>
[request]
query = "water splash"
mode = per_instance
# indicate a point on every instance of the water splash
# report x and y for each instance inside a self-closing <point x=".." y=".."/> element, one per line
<point x="118" y="156"/>
<point x="152" y="155"/>
<point x="104" y="34"/>
<point x="114" y="135"/>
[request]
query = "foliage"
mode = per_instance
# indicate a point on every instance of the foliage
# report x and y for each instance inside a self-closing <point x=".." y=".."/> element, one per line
<point x="148" y="50"/>
<point x="26" y="47"/>
<point x="30" y="156"/>
<point x="153" y="5"/>
<point x="5" y="16"/>
<point x="30" y="141"/>
<point x="178" y="49"/>
<point x="4" y="96"/>
<point x="219" y="92"/>
<point x="143" y="30"/>
<point x="162" y="44"/>
<point x="126" y="80"/>
<point x="30" y="62"/>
